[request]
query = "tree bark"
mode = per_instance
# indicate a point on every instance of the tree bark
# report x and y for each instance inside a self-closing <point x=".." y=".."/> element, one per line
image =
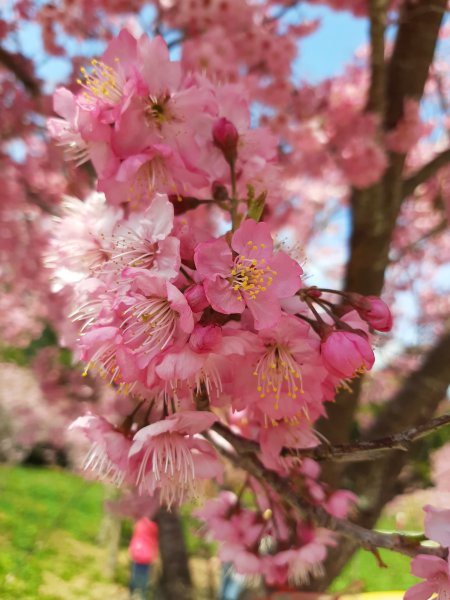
<point x="374" y="214"/>
<point x="378" y="482"/>
<point x="176" y="579"/>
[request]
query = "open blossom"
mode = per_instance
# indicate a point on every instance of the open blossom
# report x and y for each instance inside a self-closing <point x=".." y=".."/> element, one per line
<point x="436" y="573"/>
<point x="254" y="277"/>
<point x="143" y="241"/>
<point x="306" y="560"/>
<point x="435" y="570"/>
<point x="107" y="457"/>
<point x="437" y="525"/>
<point x="167" y="457"/>
<point x="147" y="315"/>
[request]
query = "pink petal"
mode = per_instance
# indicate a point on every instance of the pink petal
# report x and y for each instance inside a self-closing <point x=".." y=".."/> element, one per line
<point x="213" y="258"/>
<point x="222" y="297"/>
<point x="287" y="281"/>
<point x="253" y="240"/>
<point x="420" y="591"/>
<point x="266" y="311"/>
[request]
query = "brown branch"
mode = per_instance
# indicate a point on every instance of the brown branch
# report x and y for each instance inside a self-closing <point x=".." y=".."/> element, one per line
<point x="354" y="452"/>
<point x="424" y="173"/>
<point x="376" y="98"/>
<point x="375" y="209"/>
<point x="17" y="64"/>
<point x="439" y="228"/>
<point x="369" y="539"/>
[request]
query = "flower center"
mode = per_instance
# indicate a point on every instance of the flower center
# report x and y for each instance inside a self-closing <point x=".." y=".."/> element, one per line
<point x="105" y="364"/>
<point x="150" y="324"/>
<point x="135" y="251"/>
<point x="278" y="372"/>
<point x="172" y="468"/>
<point x="156" y="110"/>
<point x="250" y="276"/>
<point x="102" y="82"/>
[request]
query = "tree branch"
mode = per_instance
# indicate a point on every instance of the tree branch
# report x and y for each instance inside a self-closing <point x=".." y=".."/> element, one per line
<point x="354" y="452"/>
<point x="376" y="98"/>
<point x="18" y="66"/>
<point x="409" y="545"/>
<point x="424" y="173"/>
<point x="439" y="228"/>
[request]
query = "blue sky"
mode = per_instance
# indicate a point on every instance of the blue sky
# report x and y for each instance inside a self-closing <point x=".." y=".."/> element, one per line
<point x="321" y="55"/>
<point x="324" y="53"/>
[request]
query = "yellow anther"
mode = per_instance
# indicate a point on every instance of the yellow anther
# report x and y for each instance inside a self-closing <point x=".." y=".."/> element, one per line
<point x="249" y="243"/>
<point x="254" y="247"/>
<point x="262" y="245"/>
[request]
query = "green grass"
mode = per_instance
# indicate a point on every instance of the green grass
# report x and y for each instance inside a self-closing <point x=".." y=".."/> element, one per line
<point x="49" y="525"/>
<point x="362" y="573"/>
<point x="39" y="511"/>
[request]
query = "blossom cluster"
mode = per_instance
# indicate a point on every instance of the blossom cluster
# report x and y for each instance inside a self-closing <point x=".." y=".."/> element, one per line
<point x="435" y="570"/>
<point x="186" y="300"/>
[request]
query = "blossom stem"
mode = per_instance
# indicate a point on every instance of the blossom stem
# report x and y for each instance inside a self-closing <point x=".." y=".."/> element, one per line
<point x="233" y="199"/>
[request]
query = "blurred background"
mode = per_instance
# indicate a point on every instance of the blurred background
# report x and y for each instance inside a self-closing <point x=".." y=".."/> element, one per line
<point x="62" y="537"/>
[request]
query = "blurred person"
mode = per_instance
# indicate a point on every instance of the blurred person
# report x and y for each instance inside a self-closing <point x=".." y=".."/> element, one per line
<point x="143" y="552"/>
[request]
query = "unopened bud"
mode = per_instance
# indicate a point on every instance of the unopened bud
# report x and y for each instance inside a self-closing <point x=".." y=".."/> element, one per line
<point x="195" y="295"/>
<point x="226" y="137"/>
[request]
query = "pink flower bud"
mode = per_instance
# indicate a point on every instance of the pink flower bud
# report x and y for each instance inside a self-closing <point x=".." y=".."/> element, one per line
<point x="225" y="137"/>
<point x="378" y="314"/>
<point x="344" y="353"/>
<point x="205" y="339"/>
<point x="195" y="295"/>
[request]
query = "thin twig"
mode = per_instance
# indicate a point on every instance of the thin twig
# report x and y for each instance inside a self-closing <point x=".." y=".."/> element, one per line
<point x="353" y="452"/>
<point x="368" y="539"/>
<point x="424" y="173"/>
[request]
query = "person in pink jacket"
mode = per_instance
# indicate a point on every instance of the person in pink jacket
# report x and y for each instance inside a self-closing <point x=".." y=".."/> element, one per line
<point x="143" y="552"/>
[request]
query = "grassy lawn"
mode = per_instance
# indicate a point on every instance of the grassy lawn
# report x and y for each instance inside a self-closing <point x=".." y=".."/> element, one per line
<point x="49" y="523"/>
<point x="49" y="550"/>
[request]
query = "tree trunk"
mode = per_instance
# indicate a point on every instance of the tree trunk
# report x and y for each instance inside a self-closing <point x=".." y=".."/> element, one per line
<point x="175" y="579"/>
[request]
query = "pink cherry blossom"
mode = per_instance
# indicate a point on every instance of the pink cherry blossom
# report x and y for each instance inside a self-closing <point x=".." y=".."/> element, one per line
<point x="143" y="241"/>
<point x="256" y="277"/>
<point x="437" y="525"/>
<point x="373" y="310"/>
<point x="167" y="456"/>
<point x="436" y="572"/>
<point x="107" y="457"/>
<point x="346" y="353"/>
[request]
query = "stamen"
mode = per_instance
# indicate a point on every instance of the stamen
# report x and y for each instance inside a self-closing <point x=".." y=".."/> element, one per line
<point x="102" y="82"/>
<point x="250" y="276"/>
<point x="150" y="324"/>
<point x="278" y="372"/>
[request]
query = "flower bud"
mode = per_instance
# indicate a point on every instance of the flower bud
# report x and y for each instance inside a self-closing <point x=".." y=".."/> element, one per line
<point x="373" y="310"/>
<point x="225" y="137"/>
<point x="378" y="315"/>
<point x="195" y="295"/>
<point x="205" y="339"/>
<point x="344" y="353"/>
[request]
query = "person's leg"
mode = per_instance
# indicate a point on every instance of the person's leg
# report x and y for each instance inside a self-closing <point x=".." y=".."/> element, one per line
<point x="139" y="580"/>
